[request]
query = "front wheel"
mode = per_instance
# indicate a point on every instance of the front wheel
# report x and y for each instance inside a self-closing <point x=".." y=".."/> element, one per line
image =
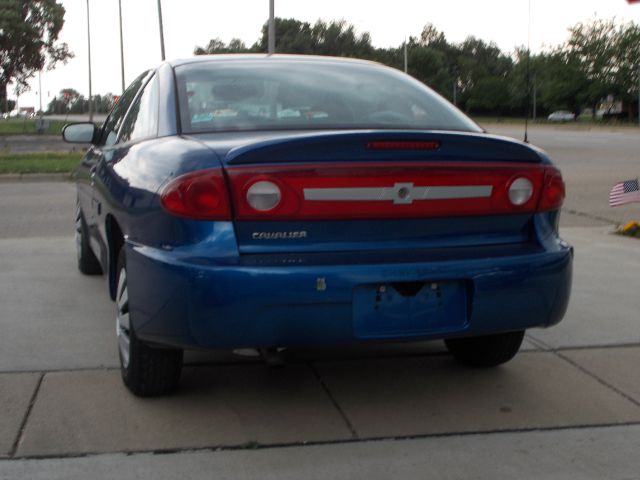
<point x="146" y="371"/>
<point x="486" y="351"/>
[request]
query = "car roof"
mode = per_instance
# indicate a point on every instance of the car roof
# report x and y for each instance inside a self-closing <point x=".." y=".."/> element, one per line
<point x="250" y="57"/>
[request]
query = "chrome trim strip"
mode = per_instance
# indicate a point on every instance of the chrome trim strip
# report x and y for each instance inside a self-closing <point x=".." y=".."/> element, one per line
<point x="400" y="193"/>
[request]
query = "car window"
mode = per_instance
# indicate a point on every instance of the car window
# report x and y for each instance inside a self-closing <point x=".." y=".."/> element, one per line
<point x="142" y="118"/>
<point x="115" y="118"/>
<point x="289" y="94"/>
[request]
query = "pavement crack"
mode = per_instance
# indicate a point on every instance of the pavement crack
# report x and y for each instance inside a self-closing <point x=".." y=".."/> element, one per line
<point x="334" y="401"/>
<point x="597" y="378"/>
<point x="27" y="414"/>
<point x="539" y="343"/>
<point x="373" y="439"/>
<point x="590" y="216"/>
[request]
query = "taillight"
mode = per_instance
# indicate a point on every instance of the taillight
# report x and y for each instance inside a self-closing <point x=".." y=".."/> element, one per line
<point x="553" y="190"/>
<point x="345" y="191"/>
<point x="200" y="195"/>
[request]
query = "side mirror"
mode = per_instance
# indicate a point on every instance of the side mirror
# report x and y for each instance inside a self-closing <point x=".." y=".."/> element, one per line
<point x="84" y="132"/>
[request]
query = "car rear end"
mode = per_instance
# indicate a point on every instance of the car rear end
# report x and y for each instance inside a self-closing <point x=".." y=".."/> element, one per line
<point x="337" y="232"/>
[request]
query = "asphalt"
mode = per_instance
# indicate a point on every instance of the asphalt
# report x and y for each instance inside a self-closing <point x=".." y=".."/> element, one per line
<point x="568" y="406"/>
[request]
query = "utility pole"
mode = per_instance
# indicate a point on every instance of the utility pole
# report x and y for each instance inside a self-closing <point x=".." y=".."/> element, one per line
<point x="89" y="51"/>
<point x="40" y="89"/>
<point x="161" y="31"/>
<point x="121" y="45"/>
<point x="272" y="28"/>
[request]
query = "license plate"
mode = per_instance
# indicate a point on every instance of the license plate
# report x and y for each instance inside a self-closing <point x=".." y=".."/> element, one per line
<point x="409" y="309"/>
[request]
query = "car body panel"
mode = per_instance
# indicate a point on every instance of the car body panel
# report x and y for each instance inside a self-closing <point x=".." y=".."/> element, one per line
<point x="199" y="283"/>
<point x="262" y="304"/>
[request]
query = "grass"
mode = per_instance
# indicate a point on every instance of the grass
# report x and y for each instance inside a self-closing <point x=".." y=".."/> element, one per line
<point x="45" y="162"/>
<point x="23" y="126"/>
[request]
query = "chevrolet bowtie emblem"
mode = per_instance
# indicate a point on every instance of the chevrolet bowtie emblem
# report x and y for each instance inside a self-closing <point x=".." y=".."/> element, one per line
<point x="403" y="193"/>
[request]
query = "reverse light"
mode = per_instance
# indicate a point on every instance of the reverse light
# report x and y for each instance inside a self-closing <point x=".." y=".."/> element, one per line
<point x="520" y="191"/>
<point x="264" y="196"/>
<point x="200" y="195"/>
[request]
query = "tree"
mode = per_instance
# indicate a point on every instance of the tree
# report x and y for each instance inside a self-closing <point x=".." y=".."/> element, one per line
<point x="595" y="47"/>
<point x="216" y="45"/>
<point x="335" y="38"/>
<point x="29" y="32"/>
<point x="67" y="101"/>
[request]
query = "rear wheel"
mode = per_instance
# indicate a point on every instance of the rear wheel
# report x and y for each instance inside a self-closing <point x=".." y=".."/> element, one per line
<point x="486" y="351"/>
<point x="146" y="371"/>
<point x="87" y="261"/>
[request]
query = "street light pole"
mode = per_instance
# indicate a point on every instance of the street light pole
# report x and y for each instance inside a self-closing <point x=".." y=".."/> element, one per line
<point x="272" y="28"/>
<point x="121" y="44"/>
<point x="40" y="89"/>
<point x="89" y="52"/>
<point x="161" y="30"/>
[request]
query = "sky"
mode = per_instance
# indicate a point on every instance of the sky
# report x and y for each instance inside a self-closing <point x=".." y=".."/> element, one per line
<point x="191" y="23"/>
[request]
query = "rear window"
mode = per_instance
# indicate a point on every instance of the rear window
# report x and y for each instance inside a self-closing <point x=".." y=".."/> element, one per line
<point x="270" y="94"/>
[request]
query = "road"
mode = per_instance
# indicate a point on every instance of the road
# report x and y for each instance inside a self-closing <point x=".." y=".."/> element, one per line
<point x="567" y="407"/>
<point x="592" y="161"/>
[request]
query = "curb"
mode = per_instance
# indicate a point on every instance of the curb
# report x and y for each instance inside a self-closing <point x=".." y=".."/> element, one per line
<point x="36" y="177"/>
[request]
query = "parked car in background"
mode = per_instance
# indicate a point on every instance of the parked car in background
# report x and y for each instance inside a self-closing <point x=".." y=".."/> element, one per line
<point x="275" y="201"/>
<point x="562" y="116"/>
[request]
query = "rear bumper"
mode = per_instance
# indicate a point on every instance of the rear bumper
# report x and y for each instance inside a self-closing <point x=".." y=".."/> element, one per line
<point x="286" y="300"/>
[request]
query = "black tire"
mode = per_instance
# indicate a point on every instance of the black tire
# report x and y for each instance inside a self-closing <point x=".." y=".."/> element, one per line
<point x="486" y="351"/>
<point x="87" y="261"/>
<point x="148" y="371"/>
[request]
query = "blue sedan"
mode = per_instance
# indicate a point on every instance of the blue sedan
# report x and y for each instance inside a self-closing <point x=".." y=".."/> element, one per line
<point x="273" y="201"/>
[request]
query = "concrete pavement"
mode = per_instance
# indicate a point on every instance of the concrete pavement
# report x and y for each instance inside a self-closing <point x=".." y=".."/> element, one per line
<point x="63" y="398"/>
<point x="568" y="406"/>
<point x="574" y="453"/>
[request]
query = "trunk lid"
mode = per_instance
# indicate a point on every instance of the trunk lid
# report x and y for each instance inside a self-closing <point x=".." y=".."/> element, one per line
<point x="363" y="191"/>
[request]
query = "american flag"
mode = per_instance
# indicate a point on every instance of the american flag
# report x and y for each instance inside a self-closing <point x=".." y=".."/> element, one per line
<point x="624" y="192"/>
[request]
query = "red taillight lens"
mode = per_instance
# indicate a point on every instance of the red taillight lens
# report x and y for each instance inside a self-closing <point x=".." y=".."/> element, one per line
<point x="342" y="191"/>
<point x="200" y="195"/>
<point x="553" y="190"/>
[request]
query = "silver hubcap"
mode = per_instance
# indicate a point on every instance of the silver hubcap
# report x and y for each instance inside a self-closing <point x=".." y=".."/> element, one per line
<point x="78" y="233"/>
<point x="122" y="318"/>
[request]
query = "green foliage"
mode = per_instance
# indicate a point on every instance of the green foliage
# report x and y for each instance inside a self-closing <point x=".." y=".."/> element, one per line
<point x="335" y="38"/>
<point x="70" y="101"/>
<point x="29" y="41"/>
<point x="27" y="126"/>
<point x="600" y="59"/>
<point x="46" y="162"/>
<point x="218" y="46"/>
